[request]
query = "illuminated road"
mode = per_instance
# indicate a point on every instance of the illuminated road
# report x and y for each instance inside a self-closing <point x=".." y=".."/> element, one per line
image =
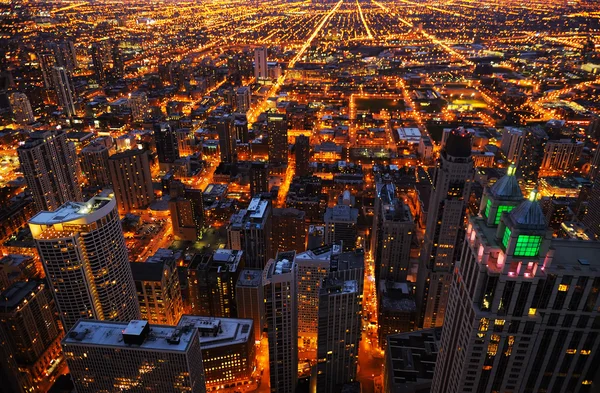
<point x="362" y="17"/>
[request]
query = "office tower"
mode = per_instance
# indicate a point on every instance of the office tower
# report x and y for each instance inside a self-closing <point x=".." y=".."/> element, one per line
<point x="119" y="356"/>
<point x="158" y="289"/>
<point x="46" y="61"/>
<point x="393" y="228"/>
<point x="243" y="97"/>
<point x="410" y="361"/>
<point x="17" y="267"/>
<point x="289" y="230"/>
<point x="249" y="298"/>
<point x="94" y="165"/>
<point x="83" y="251"/>
<point x="65" y="92"/>
<point x="101" y="58"/>
<point x="227" y="139"/>
<point x="12" y="379"/>
<point x="118" y="69"/>
<point x="528" y="301"/>
<point x="49" y="165"/>
<point x="138" y="101"/>
<point x="561" y="155"/>
<point x="228" y="350"/>
<point x="187" y="224"/>
<point x="240" y="124"/>
<point x="338" y="334"/>
<point x="445" y="222"/>
<point x="281" y="311"/>
<point x="595" y="165"/>
<point x="21" y="108"/>
<point x="512" y="144"/>
<point x="185" y="141"/>
<point x="532" y="155"/>
<point x="259" y="178"/>
<point x="167" y="148"/>
<point x="592" y="218"/>
<point x="302" y="155"/>
<point x="306" y="194"/>
<point x="277" y="131"/>
<point x="33" y="337"/>
<point x="211" y="283"/>
<point x="396" y="309"/>
<point x="195" y="197"/>
<point x="340" y="225"/>
<point x="64" y="55"/>
<point x="131" y="179"/>
<point x="249" y="230"/>
<point x="261" y="71"/>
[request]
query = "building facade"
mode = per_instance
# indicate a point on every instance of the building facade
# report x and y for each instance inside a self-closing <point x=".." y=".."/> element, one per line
<point x="131" y="179"/>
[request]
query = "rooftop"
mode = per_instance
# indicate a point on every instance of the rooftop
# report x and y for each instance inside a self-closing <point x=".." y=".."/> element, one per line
<point x="250" y="278"/>
<point x="216" y="332"/>
<point x="81" y="212"/>
<point x="17" y="293"/>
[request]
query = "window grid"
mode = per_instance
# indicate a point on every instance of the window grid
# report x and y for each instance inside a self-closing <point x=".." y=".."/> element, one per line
<point x="528" y="246"/>
<point x="506" y="237"/>
<point x="502" y="209"/>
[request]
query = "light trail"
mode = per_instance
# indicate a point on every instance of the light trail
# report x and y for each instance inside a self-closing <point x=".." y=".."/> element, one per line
<point x="386" y="9"/>
<point x="362" y="17"/>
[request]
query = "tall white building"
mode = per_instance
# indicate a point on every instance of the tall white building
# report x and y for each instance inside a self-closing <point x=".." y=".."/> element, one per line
<point x="261" y="70"/>
<point x="393" y="229"/>
<point x="281" y="311"/>
<point x="338" y="340"/>
<point x="84" y="255"/>
<point x="49" y="164"/>
<point x="63" y="85"/>
<point x="134" y="356"/>
<point x="523" y="306"/>
<point x="21" y="108"/>
<point x="445" y="222"/>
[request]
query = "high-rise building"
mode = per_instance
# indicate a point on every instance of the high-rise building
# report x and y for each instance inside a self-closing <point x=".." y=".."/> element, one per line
<point x="33" y="337"/>
<point x="592" y="217"/>
<point x="228" y="350"/>
<point x="393" y="229"/>
<point x="21" y="108"/>
<point x="243" y="99"/>
<point x="277" y="132"/>
<point x="302" y="155"/>
<point x="119" y="356"/>
<point x="281" y="311"/>
<point x="211" y="283"/>
<point x="65" y="92"/>
<point x="338" y="333"/>
<point x="17" y="267"/>
<point x="64" y="55"/>
<point x="595" y="165"/>
<point x="259" y="178"/>
<point x="396" y="309"/>
<point x="250" y="299"/>
<point x="445" y="222"/>
<point x="261" y="70"/>
<point x="185" y="141"/>
<point x="340" y="225"/>
<point x="101" y="58"/>
<point x="561" y="155"/>
<point x="187" y="224"/>
<point x="167" y="147"/>
<point x="94" y="165"/>
<point x="49" y="164"/>
<point x="158" y="289"/>
<point x="83" y="251"/>
<point x="249" y="230"/>
<point x="46" y="61"/>
<point x="521" y="308"/>
<point x="289" y="230"/>
<point x="512" y="144"/>
<point x="138" y="101"/>
<point x="118" y="69"/>
<point x="131" y="179"/>
<point x="532" y="155"/>
<point x="227" y="138"/>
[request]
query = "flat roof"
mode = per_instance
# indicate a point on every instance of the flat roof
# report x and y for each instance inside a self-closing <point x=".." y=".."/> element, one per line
<point x="228" y="330"/>
<point x="88" y="332"/>
<point x="250" y="278"/>
<point x="82" y="212"/>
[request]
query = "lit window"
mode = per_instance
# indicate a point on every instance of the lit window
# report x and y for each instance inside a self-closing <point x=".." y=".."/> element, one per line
<point x="506" y="237"/>
<point x="528" y="246"/>
<point x="532" y="311"/>
<point x="488" y="206"/>
<point x="563" y="287"/>
<point x="502" y="209"/>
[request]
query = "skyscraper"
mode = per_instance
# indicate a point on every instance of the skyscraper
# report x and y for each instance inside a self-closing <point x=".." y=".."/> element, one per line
<point x="249" y="230"/>
<point x="512" y="144"/>
<point x="46" y="61"/>
<point x="338" y="333"/>
<point x="259" y="178"/>
<point x="393" y="228"/>
<point x="289" y="230"/>
<point x="521" y="305"/>
<point x="261" y="71"/>
<point x="115" y="356"/>
<point x="65" y="92"/>
<point x="21" y="108"/>
<point x="302" y="155"/>
<point x="64" y="55"/>
<point x="250" y="299"/>
<point x="167" y="147"/>
<point x="592" y="217"/>
<point x="340" y="225"/>
<point x="279" y="279"/>
<point x="532" y="155"/>
<point x="561" y="155"/>
<point x="49" y="164"/>
<point x="138" y="101"/>
<point x="227" y="138"/>
<point x="101" y="54"/>
<point x="277" y="130"/>
<point x="94" y="165"/>
<point x="131" y="179"/>
<point x="445" y="221"/>
<point x="83" y="251"/>
<point x="243" y="97"/>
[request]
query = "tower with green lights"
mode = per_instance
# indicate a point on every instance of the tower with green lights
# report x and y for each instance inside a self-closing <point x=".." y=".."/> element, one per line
<point x="523" y="308"/>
